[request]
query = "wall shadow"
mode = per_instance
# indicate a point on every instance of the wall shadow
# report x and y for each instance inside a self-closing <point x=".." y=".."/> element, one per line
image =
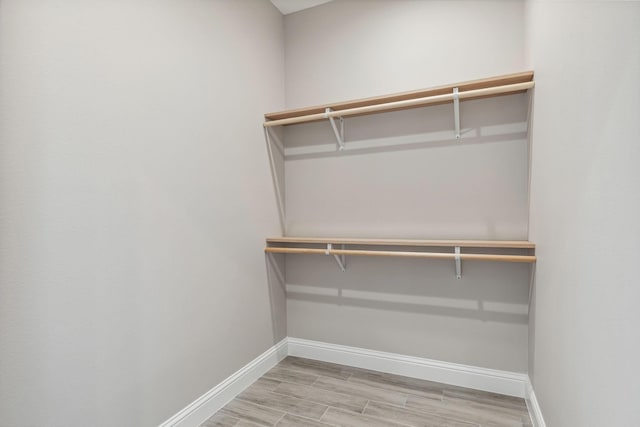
<point x="275" y="268"/>
<point x="488" y="291"/>
<point x="483" y="121"/>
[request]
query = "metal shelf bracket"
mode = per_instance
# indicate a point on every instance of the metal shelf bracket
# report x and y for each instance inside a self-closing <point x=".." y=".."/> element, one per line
<point x="339" y="133"/>
<point x="458" y="263"/>
<point x="272" y="139"/>
<point x="456" y="111"/>
<point x="340" y="259"/>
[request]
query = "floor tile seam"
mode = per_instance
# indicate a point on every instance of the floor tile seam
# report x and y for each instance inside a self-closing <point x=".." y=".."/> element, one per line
<point x="461" y="419"/>
<point x="418" y="412"/>
<point x="387" y="419"/>
<point x="280" y="419"/>
<point x="286" y="412"/>
<point x="418" y="396"/>
<point x="264" y="386"/>
<point x="310" y="371"/>
<point x="479" y="394"/>
<point x="235" y="419"/>
<point x="372" y="416"/>
<point x="487" y="401"/>
<point x="339" y="394"/>
<point x="290" y="395"/>
<point x="294" y="371"/>
<point x="259" y="405"/>
<point x="316" y="380"/>
<point x="487" y="412"/>
<point x="365" y="406"/>
<point x="404" y="395"/>
<point x="226" y="412"/>
<point x="324" y="413"/>
<point x="287" y="382"/>
<point x="320" y="377"/>
<point x="406" y="381"/>
<point x="373" y="386"/>
<point x="487" y="407"/>
<point x="317" y="364"/>
<point x="247" y="423"/>
<point x="491" y="404"/>
<point x="401" y="408"/>
<point x="318" y="420"/>
<point x="278" y="395"/>
<point x="309" y="397"/>
<point x="352" y="409"/>
<point x="381" y="386"/>
<point x="487" y="415"/>
<point x="312" y="366"/>
<point x="358" y="396"/>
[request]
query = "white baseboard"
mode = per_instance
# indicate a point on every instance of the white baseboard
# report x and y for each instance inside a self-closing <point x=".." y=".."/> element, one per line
<point x="209" y="403"/>
<point x="492" y="380"/>
<point x="534" y="408"/>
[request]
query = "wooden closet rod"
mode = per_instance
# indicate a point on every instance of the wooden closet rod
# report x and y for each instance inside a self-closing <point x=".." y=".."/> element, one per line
<point x="436" y="255"/>
<point x="388" y="106"/>
<point x="508" y="244"/>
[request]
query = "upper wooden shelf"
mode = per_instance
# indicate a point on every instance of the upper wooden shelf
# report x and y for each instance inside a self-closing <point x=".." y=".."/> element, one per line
<point x="505" y="244"/>
<point x="390" y="248"/>
<point x="488" y="87"/>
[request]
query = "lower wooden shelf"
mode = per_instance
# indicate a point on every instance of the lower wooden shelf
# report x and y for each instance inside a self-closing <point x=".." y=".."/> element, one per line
<point x="398" y="248"/>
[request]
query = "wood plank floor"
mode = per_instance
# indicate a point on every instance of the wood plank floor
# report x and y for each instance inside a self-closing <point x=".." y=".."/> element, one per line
<point x="308" y="393"/>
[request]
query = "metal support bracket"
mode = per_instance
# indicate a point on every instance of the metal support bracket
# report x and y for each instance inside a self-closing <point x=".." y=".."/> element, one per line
<point x="340" y="259"/>
<point x="456" y="111"/>
<point x="269" y="138"/>
<point x="272" y="136"/>
<point x="458" y="264"/>
<point x="339" y="133"/>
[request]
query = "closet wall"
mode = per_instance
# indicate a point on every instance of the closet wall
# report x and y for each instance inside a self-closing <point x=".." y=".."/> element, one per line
<point x="135" y="196"/>
<point x="585" y="206"/>
<point x="473" y="189"/>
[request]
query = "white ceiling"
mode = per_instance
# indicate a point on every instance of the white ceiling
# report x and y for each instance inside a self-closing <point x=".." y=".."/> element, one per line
<point x="291" y="6"/>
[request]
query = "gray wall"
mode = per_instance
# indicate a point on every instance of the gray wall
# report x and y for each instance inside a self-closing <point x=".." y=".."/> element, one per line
<point x="429" y="186"/>
<point x="585" y="205"/>
<point x="135" y="196"/>
<point x="354" y="49"/>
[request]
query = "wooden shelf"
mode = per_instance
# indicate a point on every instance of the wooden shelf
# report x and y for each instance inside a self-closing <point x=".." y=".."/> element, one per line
<point x="309" y="245"/>
<point x="489" y="87"/>
<point x="509" y="244"/>
<point x="456" y="250"/>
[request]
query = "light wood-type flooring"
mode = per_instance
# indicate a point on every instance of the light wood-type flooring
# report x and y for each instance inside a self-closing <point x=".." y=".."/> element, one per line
<point x="308" y="393"/>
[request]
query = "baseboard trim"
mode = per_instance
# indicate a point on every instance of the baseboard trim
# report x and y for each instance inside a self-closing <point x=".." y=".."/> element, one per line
<point x="534" y="407"/>
<point x="209" y="403"/>
<point x="492" y="380"/>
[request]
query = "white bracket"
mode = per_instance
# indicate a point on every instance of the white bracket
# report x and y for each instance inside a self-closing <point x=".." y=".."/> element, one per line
<point x="272" y="136"/>
<point x="341" y="260"/>
<point x="269" y="138"/>
<point x="458" y="264"/>
<point x="339" y="133"/>
<point x="456" y="111"/>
